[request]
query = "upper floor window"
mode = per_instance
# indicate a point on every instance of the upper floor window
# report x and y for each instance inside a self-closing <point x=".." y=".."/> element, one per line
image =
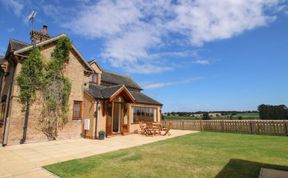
<point x="94" y="78"/>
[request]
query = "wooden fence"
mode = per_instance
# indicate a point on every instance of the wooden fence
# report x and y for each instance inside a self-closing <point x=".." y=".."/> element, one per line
<point x="268" y="127"/>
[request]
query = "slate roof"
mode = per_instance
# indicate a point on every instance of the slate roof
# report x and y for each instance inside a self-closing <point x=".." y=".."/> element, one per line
<point x="117" y="79"/>
<point x="144" y="99"/>
<point x="104" y="92"/>
<point x="16" y="44"/>
<point x="109" y="91"/>
<point x="95" y="91"/>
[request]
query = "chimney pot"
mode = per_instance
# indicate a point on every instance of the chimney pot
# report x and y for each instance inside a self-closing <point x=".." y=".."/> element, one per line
<point x="45" y="29"/>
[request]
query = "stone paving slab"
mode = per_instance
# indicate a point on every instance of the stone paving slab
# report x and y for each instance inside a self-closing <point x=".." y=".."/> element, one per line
<point x="272" y="173"/>
<point x="26" y="160"/>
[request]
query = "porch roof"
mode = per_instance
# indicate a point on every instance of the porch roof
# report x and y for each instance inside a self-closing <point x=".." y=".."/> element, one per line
<point x="104" y="92"/>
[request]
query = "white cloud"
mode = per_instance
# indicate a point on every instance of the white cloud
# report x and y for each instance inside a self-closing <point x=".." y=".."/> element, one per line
<point x="153" y="85"/>
<point x="202" y="62"/>
<point x="133" y="30"/>
<point x="210" y="20"/>
<point x="105" y="18"/>
<point x="14" y="6"/>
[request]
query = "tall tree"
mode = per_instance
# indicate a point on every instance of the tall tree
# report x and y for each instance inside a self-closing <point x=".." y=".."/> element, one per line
<point x="29" y="80"/>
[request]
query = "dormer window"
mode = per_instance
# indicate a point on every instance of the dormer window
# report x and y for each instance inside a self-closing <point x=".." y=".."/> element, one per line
<point x="94" y="78"/>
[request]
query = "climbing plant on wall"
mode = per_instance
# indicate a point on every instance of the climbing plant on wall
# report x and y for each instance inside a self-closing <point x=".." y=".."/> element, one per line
<point x="29" y="81"/>
<point x="56" y="90"/>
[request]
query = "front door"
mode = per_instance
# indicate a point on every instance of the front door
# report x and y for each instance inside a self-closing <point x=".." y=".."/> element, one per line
<point x="117" y="115"/>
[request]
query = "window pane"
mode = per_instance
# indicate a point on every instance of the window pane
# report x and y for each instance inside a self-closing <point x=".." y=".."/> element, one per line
<point x="133" y="115"/>
<point x="77" y="109"/>
<point x="93" y="78"/>
<point x="154" y="114"/>
<point x="147" y="114"/>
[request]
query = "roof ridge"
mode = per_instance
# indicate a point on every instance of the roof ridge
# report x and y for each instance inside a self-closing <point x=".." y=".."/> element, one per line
<point x="114" y="86"/>
<point x="121" y="75"/>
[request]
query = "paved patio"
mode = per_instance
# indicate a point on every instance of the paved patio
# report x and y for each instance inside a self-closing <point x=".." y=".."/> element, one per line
<point x="27" y="160"/>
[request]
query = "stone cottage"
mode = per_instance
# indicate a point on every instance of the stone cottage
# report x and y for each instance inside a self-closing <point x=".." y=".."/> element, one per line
<point x="99" y="100"/>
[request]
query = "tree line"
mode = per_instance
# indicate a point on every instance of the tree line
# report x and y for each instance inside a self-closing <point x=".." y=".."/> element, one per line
<point x="202" y="112"/>
<point x="273" y="112"/>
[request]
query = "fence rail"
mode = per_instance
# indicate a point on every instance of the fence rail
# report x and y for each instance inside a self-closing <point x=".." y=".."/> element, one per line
<point x="261" y="127"/>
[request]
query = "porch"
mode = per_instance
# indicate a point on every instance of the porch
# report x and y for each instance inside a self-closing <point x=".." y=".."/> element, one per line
<point x="116" y="110"/>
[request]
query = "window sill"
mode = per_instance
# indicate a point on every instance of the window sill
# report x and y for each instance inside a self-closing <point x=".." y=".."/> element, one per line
<point x="76" y="118"/>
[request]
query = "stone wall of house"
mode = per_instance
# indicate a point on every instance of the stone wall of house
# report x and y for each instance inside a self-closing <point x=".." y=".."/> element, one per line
<point x="101" y="122"/>
<point x="88" y="113"/>
<point x="73" y="129"/>
<point x="98" y="71"/>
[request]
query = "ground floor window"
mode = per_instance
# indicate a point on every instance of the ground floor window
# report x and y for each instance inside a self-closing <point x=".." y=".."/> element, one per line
<point x="143" y="114"/>
<point x="77" y="110"/>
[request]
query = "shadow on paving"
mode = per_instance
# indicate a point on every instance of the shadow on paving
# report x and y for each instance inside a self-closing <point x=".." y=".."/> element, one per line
<point x="242" y="168"/>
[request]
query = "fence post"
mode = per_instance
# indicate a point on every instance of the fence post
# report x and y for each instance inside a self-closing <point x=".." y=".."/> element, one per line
<point x="250" y="125"/>
<point x="182" y="124"/>
<point x="222" y="126"/>
<point x="286" y="127"/>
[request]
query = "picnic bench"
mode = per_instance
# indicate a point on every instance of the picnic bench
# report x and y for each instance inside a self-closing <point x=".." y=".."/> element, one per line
<point x="154" y="128"/>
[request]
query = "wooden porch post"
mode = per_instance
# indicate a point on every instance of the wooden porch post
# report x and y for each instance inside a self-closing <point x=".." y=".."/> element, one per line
<point x="112" y="117"/>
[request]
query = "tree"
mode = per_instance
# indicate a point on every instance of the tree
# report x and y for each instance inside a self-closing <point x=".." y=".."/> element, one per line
<point x="273" y="112"/>
<point x="29" y="81"/>
<point x="206" y="116"/>
<point x="56" y="90"/>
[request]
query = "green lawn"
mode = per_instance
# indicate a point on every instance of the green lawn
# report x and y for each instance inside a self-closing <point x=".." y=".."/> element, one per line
<point x="205" y="154"/>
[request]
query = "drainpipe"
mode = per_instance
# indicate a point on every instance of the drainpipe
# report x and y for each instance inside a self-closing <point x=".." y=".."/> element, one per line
<point x="8" y="105"/>
<point x="96" y="119"/>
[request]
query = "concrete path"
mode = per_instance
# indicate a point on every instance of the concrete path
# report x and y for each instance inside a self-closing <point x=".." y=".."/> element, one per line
<point x="27" y="160"/>
<point x="272" y="173"/>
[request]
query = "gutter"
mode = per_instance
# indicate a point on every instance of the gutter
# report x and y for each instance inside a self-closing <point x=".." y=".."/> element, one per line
<point x="96" y="119"/>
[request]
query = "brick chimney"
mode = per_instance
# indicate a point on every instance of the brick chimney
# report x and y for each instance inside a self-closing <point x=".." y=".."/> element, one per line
<point x="39" y="36"/>
<point x="45" y="29"/>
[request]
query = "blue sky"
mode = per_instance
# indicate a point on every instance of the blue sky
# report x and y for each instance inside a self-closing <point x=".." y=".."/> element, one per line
<point x="189" y="55"/>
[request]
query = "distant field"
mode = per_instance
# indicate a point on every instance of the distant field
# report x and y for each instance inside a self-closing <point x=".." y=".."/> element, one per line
<point x="180" y="118"/>
<point x="247" y="116"/>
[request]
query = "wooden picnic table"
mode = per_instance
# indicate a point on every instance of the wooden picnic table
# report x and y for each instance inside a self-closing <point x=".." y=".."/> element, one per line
<point x="153" y="128"/>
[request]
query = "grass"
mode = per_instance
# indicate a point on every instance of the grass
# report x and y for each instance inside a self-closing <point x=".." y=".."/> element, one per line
<point x="204" y="154"/>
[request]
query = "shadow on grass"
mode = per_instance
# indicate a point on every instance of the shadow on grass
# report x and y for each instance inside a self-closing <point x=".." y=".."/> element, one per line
<point x="241" y="168"/>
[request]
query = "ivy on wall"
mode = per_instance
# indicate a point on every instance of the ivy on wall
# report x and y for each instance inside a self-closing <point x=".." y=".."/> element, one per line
<point x="29" y="81"/>
<point x="56" y="90"/>
<point x="53" y="86"/>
